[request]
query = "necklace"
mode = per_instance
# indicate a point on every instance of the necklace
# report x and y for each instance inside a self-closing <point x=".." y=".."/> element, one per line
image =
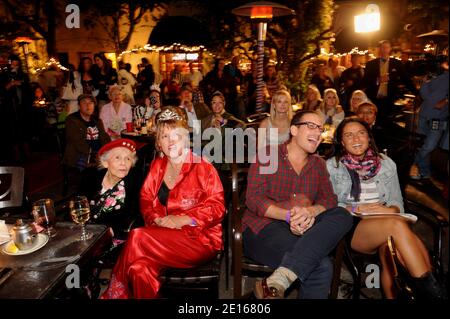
<point x="172" y="172"/>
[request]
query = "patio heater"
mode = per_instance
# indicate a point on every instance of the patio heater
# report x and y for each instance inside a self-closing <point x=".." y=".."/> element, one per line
<point x="23" y="43"/>
<point x="261" y="12"/>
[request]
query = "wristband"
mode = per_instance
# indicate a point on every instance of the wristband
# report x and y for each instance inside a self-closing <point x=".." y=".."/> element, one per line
<point x="354" y="207"/>
<point x="288" y="217"/>
<point x="193" y="222"/>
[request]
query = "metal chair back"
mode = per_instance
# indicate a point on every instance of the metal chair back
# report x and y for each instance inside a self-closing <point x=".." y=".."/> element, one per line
<point x="11" y="186"/>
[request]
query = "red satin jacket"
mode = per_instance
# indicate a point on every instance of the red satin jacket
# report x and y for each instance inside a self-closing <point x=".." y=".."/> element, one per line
<point x="198" y="193"/>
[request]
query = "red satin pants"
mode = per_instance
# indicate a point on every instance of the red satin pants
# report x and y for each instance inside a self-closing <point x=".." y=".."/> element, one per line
<point x="147" y="251"/>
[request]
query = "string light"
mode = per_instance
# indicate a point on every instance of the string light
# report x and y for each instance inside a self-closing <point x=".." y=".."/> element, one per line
<point x="428" y="48"/>
<point x="174" y="47"/>
<point x="355" y="50"/>
<point x="51" y="62"/>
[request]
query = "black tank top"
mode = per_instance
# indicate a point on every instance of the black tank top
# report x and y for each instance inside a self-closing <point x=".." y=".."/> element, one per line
<point x="163" y="194"/>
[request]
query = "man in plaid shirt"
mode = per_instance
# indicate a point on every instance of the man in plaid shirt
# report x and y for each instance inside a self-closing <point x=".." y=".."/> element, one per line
<point x="292" y="221"/>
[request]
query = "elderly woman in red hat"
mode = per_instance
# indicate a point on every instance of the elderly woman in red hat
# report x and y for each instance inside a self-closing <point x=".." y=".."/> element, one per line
<point x="183" y="206"/>
<point x="113" y="190"/>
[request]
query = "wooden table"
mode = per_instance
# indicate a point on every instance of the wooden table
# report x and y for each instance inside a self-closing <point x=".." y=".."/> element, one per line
<point x="34" y="279"/>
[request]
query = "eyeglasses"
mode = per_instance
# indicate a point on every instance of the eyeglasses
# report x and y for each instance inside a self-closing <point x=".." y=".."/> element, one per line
<point x="350" y="135"/>
<point x="311" y="126"/>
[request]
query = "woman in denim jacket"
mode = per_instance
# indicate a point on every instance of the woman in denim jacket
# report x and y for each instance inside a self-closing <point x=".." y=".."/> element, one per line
<point x="366" y="181"/>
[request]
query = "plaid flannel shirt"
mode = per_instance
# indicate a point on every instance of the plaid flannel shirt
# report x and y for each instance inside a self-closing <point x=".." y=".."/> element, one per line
<point x="311" y="187"/>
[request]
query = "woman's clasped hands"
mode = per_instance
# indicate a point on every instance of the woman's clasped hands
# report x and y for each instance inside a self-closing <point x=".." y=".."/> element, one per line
<point x="301" y="220"/>
<point x="173" y="221"/>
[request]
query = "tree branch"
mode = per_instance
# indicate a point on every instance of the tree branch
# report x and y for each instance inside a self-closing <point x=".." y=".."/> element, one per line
<point x="32" y="23"/>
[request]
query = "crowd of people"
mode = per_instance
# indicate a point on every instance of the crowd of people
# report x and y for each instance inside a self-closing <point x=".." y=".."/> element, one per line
<point x="295" y="216"/>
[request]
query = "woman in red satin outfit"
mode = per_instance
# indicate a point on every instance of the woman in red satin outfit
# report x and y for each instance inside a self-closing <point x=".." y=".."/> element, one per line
<point x="183" y="206"/>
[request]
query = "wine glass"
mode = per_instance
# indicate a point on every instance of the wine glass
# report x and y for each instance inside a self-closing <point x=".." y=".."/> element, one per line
<point x="80" y="213"/>
<point x="44" y="215"/>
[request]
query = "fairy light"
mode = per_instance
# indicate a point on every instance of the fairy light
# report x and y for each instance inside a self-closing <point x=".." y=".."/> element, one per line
<point x="428" y="48"/>
<point x="172" y="47"/>
<point x="355" y="50"/>
<point x="49" y="63"/>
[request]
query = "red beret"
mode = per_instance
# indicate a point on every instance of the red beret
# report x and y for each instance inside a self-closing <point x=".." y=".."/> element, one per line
<point x="121" y="142"/>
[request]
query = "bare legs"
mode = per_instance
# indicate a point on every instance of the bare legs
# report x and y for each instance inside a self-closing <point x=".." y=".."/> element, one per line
<point x="371" y="235"/>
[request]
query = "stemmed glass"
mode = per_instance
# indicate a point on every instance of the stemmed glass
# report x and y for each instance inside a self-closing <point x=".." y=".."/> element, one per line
<point x="44" y="215"/>
<point x="80" y="213"/>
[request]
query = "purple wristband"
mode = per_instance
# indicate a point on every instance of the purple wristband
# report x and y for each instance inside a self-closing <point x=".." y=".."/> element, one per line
<point x="288" y="217"/>
<point x="193" y="222"/>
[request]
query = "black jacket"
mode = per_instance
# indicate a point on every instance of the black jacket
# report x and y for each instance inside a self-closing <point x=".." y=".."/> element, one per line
<point x="397" y="76"/>
<point x="119" y="219"/>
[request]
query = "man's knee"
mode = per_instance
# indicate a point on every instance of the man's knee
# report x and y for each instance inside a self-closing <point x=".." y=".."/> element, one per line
<point x="341" y="216"/>
<point x="326" y="268"/>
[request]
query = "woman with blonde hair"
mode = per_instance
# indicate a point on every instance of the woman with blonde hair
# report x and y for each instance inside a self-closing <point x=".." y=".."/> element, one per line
<point x="116" y="113"/>
<point x="182" y="205"/>
<point x="330" y="110"/>
<point x="356" y="99"/>
<point x="313" y="98"/>
<point x="281" y="114"/>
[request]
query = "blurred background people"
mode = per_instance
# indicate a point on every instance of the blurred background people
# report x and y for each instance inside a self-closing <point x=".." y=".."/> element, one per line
<point x="105" y="76"/>
<point x="16" y="110"/>
<point x="127" y="81"/>
<point x="72" y="89"/>
<point x="351" y="80"/>
<point x="312" y="99"/>
<point x="116" y="114"/>
<point x="85" y="135"/>
<point x="281" y="114"/>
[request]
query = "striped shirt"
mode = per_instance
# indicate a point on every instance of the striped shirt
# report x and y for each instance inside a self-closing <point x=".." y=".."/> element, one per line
<point x="369" y="193"/>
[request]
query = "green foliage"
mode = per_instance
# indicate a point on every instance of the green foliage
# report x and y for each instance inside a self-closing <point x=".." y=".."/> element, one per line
<point x="295" y="39"/>
<point x="306" y="33"/>
<point x="428" y="13"/>
<point x="111" y="15"/>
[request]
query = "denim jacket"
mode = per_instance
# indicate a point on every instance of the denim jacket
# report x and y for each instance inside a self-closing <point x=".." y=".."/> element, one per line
<point x="386" y="180"/>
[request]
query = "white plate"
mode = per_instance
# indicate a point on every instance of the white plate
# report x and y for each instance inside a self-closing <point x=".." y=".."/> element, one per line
<point x="41" y="240"/>
<point x="4" y="239"/>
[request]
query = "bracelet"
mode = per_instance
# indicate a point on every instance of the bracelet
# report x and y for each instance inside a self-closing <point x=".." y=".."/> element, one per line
<point x="288" y="217"/>
<point x="354" y="207"/>
<point x="193" y="222"/>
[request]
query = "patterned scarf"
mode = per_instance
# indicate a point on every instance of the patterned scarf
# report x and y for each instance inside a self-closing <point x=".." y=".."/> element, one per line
<point x="363" y="169"/>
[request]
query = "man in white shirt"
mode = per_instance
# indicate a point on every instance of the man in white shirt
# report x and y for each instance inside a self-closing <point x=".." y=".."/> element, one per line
<point x="127" y="83"/>
<point x="193" y="112"/>
<point x="195" y="76"/>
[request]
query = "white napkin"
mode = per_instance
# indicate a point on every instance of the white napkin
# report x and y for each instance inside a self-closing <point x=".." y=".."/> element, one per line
<point x="4" y="233"/>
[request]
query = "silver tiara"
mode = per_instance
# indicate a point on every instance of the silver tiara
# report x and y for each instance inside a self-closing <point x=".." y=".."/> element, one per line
<point x="169" y="115"/>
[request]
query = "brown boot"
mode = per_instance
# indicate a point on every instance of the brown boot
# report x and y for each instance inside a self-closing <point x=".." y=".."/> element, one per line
<point x="262" y="291"/>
